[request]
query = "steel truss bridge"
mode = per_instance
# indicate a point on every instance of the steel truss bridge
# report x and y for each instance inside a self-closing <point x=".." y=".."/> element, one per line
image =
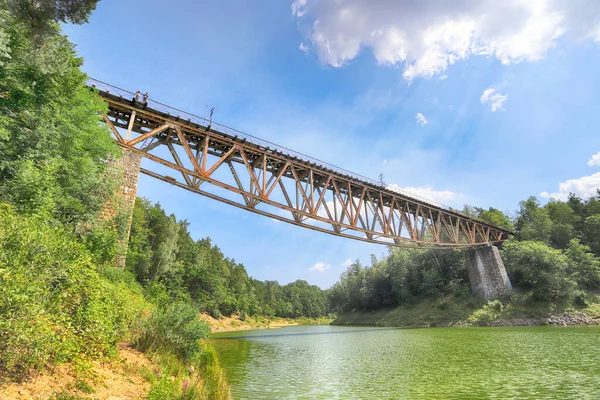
<point x="246" y="172"/>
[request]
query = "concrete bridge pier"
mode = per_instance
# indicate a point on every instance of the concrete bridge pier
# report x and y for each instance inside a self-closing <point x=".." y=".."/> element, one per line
<point x="487" y="275"/>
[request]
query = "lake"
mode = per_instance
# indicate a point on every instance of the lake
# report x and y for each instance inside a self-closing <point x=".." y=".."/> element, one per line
<point x="334" y="362"/>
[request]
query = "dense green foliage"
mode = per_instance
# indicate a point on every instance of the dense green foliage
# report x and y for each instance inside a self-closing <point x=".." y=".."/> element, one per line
<point x="540" y="269"/>
<point x="294" y="300"/>
<point x="39" y="15"/>
<point x="558" y="222"/>
<point x="405" y="276"/>
<point x="554" y="259"/>
<point x="56" y="302"/>
<point x="54" y="305"/>
<point x="174" y="329"/>
<point x="173" y="267"/>
<point x="52" y="148"/>
<point x="61" y="299"/>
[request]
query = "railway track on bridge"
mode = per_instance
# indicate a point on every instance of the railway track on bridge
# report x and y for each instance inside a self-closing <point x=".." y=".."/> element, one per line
<point x="244" y="171"/>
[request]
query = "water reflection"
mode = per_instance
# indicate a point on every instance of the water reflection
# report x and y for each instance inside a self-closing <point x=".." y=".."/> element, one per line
<point x="339" y="362"/>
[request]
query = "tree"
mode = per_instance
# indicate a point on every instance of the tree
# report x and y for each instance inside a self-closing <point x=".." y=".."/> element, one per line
<point x="584" y="267"/>
<point x="39" y="14"/>
<point x="592" y="206"/>
<point x="53" y="148"/>
<point x="563" y="221"/>
<point x="539" y="268"/>
<point x="174" y="267"/>
<point x="580" y="210"/>
<point x="591" y="233"/>
<point x="533" y="222"/>
<point x="496" y="217"/>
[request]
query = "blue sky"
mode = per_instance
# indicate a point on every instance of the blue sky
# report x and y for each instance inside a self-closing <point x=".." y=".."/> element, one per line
<point x="470" y="103"/>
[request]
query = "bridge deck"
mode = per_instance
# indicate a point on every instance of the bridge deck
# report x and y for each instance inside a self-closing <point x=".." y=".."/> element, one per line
<point x="283" y="184"/>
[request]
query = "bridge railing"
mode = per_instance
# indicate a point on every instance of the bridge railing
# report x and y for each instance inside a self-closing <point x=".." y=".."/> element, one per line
<point x="174" y="112"/>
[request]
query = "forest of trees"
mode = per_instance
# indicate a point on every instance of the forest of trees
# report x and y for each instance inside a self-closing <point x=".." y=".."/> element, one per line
<point x="172" y="266"/>
<point x="553" y="258"/>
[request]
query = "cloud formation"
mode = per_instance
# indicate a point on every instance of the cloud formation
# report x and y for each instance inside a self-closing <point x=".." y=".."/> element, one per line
<point x="584" y="187"/>
<point x="421" y="120"/>
<point x="347" y="263"/>
<point x="494" y="98"/>
<point x="594" y="161"/>
<point x="320" y="266"/>
<point x="425" y="37"/>
<point x="427" y="192"/>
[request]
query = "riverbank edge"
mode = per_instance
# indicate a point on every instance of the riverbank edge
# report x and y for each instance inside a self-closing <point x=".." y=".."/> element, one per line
<point x="235" y="323"/>
<point x="435" y="313"/>
<point x="128" y="373"/>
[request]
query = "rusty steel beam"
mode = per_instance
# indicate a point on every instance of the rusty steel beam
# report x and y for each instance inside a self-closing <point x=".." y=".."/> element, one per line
<point x="269" y="182"/>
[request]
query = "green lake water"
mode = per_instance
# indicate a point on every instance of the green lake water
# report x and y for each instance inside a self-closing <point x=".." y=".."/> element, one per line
<point x="332" y="362"/>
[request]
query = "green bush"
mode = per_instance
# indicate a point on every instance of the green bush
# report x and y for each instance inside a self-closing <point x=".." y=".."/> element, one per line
<point x="164" y="388"/>
<point x="54" y="306"/>
<point x="539" y="268"/>
<point x="156" y="292"/>
<point x="175" y="329"/>
<point x="581" y="298"/>
<point x="489" y="312"/>
<point x="215" y="313"/>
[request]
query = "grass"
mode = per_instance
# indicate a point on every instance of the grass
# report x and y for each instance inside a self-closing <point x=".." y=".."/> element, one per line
<point x="189" y="369"/>
<point x="450" y="311"/>
<point x="202" y="380"/>
<point x="443" y="311"/>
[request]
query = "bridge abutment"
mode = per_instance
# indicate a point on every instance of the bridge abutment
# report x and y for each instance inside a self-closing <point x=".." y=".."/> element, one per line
<point x="126" y="170"/>
<point x="487" y="274"/>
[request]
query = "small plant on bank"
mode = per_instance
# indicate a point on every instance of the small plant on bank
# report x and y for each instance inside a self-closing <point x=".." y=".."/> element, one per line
<point x="489" y="312"/>
<point x="215" y="313"/>
<point x="175" y="329"/>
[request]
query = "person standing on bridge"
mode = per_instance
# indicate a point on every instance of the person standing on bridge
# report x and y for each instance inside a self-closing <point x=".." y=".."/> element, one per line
<point x="145" y="99"/>
<point x="137" y="97"/>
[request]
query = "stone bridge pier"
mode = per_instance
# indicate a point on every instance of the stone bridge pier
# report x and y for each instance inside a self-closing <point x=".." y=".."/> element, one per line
<point x="126" y="170"/>
<point x="487" y="274"/>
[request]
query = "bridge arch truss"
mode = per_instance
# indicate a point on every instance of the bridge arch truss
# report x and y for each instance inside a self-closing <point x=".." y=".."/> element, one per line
<point x="192" y="153"/>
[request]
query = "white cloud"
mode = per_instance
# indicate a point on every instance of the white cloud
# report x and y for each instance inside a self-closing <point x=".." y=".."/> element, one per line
<point x="347" y="263"/>
<point x="494" y="98"/>
<point x="385" y="162"/>
<point x="594" y="161"/>
<point x="303" y="48"/>
<point x="427" y="36"/>
<point x="584" y="187"/>
<point x="436" y="196"/>
<point x="298" y="7"/>
<point x="421" y="120"/>
<point x="320" y="266"/>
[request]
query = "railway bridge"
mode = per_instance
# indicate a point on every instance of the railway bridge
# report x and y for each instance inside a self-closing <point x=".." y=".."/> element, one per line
<point x="213" y="160"/>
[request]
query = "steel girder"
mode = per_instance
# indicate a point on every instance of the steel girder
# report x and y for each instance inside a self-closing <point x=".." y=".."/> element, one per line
<point x="287" y="188"/>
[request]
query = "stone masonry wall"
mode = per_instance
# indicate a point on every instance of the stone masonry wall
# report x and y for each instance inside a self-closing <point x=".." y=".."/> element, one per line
<point x="126" y="169"/>
<point x="487" y="273"/>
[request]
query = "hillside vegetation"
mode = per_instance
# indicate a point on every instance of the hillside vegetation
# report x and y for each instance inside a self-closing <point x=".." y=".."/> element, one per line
<point x="553" y="262"/>
<point x="171" y="266"/>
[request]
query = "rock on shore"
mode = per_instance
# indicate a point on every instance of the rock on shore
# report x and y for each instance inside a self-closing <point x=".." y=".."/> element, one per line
<point x="575" y="319"/>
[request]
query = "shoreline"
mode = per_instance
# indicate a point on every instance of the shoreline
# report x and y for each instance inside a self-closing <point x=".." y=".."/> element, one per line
<point x="431" y="313"/>
<point x="506" y="322"/>
<point x="234" y="323"/>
